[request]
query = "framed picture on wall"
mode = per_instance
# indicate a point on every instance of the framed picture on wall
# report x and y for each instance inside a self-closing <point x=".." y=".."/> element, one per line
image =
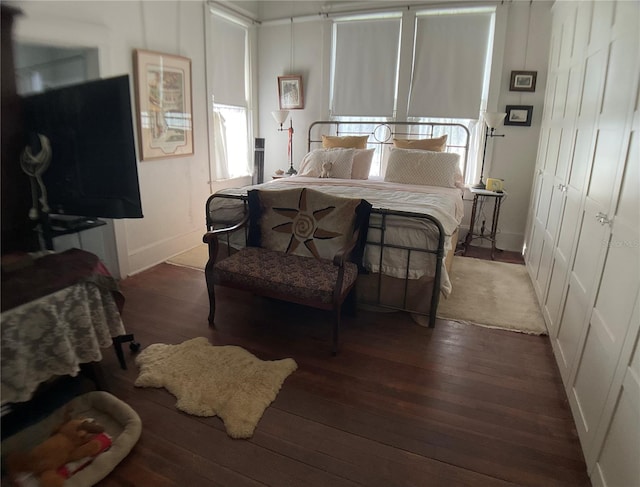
<point x="519" y="115"/>
<point x="163" y="103"/>
<point x="523" y="81"/>
<point x="290" y="92"/>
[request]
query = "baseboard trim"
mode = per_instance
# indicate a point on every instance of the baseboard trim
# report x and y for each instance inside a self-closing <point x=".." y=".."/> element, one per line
<point x="159" y="252"/>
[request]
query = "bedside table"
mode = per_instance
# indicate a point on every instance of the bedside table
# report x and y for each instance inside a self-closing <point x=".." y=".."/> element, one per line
<point x="484" y="195"/>
<point x="279" y="176"/>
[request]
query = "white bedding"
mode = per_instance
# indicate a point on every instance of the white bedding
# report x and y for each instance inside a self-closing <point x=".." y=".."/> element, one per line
<point x="445" y="204"/>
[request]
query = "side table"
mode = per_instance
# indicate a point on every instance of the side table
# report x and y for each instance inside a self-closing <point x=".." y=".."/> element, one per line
<point x="491" y="236"/>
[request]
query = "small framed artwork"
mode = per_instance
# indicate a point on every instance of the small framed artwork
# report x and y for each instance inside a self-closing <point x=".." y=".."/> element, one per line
<point x="163" y="104"/>
<point x="290" y="92"/>
<point x="523" y="81"/>
<point x="519" y="115"/>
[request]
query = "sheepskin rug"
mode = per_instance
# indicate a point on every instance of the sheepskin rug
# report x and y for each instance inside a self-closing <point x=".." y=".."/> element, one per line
<point x="225" y="381"/>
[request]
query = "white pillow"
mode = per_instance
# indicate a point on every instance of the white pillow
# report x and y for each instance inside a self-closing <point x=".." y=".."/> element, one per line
<point x="362" y="163"/>
<point x="341" y="163"/>
<point x="423" y="167"/>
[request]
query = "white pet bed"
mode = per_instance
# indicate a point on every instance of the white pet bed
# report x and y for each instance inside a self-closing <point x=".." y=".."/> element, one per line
<point x="120" y="421"/>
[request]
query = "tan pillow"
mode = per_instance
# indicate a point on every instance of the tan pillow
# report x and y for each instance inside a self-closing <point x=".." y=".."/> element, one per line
<point x="428" y="168"/>
<point x="361" y="163"/>
<point x="349" y="141"/>
<point x="439" y="144"/>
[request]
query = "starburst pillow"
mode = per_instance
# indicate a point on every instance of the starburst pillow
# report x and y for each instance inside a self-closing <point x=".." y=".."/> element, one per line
<point x="303" y="221"/>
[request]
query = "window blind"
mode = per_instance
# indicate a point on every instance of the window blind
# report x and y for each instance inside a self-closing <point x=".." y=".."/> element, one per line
<point x="228" y="48"/>
<point x="365" y="67"/>
<point x="449" y="63"/>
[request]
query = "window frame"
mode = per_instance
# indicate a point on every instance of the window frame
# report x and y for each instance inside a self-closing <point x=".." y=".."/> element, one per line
<point x="250" y="93"/>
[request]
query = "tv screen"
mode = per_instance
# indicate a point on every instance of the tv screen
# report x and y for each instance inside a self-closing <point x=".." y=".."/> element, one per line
<point x="93" y="169"/>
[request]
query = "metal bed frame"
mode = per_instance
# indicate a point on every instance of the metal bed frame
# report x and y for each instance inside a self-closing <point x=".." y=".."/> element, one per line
<point x="381" y="134"/>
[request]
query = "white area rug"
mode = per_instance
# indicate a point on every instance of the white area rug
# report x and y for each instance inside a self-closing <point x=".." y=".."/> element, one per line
<point x="196" y="258"/>
<point x="222" y="381"/>
<point x="492" y="294"/>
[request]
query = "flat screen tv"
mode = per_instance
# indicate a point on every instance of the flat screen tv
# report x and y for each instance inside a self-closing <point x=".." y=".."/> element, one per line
<point x="93" y="169"/>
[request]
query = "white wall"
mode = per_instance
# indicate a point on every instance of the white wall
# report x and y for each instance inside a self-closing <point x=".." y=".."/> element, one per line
<point x="526" y="48"/>
<point x="524" y="45"/>
<point x="173" y="191"/>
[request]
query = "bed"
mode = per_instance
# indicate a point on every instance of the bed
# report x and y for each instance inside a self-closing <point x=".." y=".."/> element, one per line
<point x="413" y="227"/>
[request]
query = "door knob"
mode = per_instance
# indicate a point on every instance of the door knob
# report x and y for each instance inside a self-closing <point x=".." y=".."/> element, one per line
<point x="603" y="218"/>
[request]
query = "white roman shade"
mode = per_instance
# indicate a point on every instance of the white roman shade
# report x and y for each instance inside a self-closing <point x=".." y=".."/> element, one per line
<point x="449" y="65"/>
<point x="366" y="67"/>
<point x="229" y="41"/>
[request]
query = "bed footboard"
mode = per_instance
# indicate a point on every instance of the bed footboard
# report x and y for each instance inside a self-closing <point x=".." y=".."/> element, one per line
<point x="433" y="290"/>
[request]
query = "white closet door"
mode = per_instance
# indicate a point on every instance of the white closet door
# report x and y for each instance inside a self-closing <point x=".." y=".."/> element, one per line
<point x="614" y="184"/>
<point x="611" y="316"/>
<point x="597" y="149"/>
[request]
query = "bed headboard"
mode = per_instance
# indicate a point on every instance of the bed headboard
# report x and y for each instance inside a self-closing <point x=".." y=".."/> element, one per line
<point x="381" y="134"/>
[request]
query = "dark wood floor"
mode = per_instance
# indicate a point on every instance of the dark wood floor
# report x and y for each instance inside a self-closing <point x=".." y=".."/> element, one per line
<point x="401" y="405"/>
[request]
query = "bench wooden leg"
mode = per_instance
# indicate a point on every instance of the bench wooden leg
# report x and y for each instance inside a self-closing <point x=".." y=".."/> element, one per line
<point x="212" y="293"/>
<point x="336" y="331"/>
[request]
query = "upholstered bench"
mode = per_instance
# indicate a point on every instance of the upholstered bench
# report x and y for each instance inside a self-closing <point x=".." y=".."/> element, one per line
<point x="303" y="246"/>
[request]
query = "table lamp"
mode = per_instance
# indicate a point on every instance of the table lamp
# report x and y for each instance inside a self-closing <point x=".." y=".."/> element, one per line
<point x="491" y="120"/>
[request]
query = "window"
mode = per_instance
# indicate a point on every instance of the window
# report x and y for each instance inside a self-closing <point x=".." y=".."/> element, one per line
<point x="230" y="141"/>
<point x="437" y="66"/>
<point x="365" y="66"/>
<point x="229" y="84"/>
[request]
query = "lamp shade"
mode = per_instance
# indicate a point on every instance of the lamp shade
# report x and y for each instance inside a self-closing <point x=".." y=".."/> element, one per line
<point x="493" y="119"/>
<point x="280" y="115"/>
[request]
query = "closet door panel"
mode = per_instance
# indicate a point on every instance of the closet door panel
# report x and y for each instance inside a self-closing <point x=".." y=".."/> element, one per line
<point x="595" y="371"/>
<point x="620" y="78"/>
<point x="591" y="85"/>
<point x="592" y="240"/>
<point x="553" y="147"/>
<point x="626" y="16"/>
<point x="583" y="28"/>
<point x="602" y="20"/>
<point x="564" y="154"/>
<point x="575" y="80"/>
<point x="569" y="223"/>
<point x="570" y="328"/>
<point x="605" y="163"/>
<point x="628" y="212"/>
<point x="545" y="267"/>
<point x="580" y="162"/>
<point x="534" y="252"/>
<point x="555" y="210"/>
<point x="560" y="98"/>
<point x="555" y="294"/>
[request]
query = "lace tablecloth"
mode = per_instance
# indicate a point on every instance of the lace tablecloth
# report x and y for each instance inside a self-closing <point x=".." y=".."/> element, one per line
<point x="54" y="334"/>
